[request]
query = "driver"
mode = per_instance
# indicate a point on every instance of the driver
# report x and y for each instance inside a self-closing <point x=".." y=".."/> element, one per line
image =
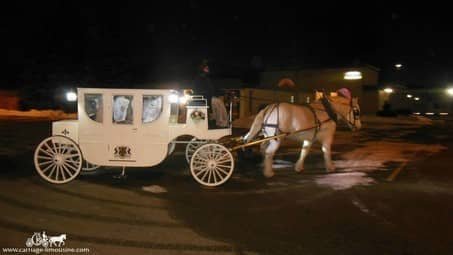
<point x="202" y="85"/>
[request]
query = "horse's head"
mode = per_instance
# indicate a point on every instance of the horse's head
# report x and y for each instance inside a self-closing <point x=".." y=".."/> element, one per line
<point x="345" y="107"/>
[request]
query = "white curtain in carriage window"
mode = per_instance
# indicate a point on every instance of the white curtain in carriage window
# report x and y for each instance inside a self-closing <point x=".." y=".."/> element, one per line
<point x="152" y="107"/>
<point x="122" y="109"/>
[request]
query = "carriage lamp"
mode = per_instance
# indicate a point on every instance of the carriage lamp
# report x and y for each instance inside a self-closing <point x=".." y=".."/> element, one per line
<point x="184" y="99"/>
<point x="71" y="96"/>
<point x="173" y="98"/>
<point x="449" y="91"/>
<point x="388" y="90"/>
<point x="352" y="75"/>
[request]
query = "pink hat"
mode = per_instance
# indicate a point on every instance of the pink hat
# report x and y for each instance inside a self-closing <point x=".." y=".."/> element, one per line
<point x="344" y="92"/>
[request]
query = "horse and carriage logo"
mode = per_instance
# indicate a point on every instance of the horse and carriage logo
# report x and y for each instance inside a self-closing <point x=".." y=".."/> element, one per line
<point x="41" y="239"/>
<point x="122" y="152"/>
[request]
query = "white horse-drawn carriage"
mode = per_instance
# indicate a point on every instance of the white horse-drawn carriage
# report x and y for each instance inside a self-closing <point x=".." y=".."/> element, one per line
<point x="133" y="128"/>
<point x="140" y="127"/>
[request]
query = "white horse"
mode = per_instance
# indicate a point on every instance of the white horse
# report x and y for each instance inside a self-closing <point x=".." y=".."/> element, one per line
<point x="57" y="239"/>
<point x="305" y="123"/>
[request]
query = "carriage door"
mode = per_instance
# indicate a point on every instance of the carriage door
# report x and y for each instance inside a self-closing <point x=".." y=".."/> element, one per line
<point x="124" y="123"/>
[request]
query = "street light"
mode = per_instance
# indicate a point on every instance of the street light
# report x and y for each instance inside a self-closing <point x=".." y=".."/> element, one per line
<point x="449" y="91"/>
<point x="71" y="96"/>
<point x="409" y="96"/>
<point x="398" y="66"/>
<point x="388" y="90"/>
<point x="416" y="98"/>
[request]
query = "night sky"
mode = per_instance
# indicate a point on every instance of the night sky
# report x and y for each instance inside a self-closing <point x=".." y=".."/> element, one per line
<point x="50" y="43"/>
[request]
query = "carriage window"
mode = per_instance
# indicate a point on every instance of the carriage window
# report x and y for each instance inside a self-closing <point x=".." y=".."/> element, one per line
<point x="152" y="107"/>
<point x="93" y="107"/>
<point x="122" y="110"/>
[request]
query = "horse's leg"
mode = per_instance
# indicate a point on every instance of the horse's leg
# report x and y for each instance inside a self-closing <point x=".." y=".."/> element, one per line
<point x="269" y="153"/>
<point x="326" y="149"/>
<point x="299" y="167"/>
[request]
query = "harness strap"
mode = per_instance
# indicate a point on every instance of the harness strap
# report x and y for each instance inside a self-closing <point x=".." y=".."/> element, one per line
<point x="276" y="125"/>
<point x="328" y="107"/>
<point x="267" y="112"/>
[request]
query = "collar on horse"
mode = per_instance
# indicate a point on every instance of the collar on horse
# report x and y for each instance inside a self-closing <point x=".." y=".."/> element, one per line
<point x="329" y="109"/>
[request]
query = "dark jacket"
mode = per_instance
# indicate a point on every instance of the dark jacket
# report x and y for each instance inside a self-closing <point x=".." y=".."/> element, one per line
<point x="203" y="86"/>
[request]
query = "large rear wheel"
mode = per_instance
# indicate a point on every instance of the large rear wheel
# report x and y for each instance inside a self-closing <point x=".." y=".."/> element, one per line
<point x="58" y="159"/>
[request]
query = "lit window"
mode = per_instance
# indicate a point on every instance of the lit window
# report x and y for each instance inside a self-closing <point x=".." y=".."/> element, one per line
<point x="152" y="107"/>
<point x="353" y="75"/>
<point x="93" y="107"/>
<point x="122" y="110"/>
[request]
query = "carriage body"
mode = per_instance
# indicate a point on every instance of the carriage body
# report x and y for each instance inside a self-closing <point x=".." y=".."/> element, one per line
<point x="138" y="136"/>
<point x="123" y="127"/>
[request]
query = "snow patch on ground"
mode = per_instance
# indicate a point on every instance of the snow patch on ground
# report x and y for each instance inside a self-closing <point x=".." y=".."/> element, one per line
<point x="373" y="155"/>
<point x="156" y="189"/>
<point x="38" y="114"/>
<point x="399" y="120"/>
<point x="341" y="181"/>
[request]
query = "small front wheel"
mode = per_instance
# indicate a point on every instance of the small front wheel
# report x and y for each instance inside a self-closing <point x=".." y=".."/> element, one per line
<point x="58" y="159"/>
<point x="212" y="164"/>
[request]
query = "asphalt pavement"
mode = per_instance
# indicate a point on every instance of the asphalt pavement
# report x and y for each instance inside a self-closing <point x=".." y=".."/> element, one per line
<point x="291" y="213"/>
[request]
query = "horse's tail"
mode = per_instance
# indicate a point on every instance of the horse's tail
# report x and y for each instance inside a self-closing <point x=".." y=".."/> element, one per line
<point x="256" y="126"/>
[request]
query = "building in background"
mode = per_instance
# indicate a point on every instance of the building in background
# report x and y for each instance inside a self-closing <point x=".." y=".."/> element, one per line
<point x="361" y="80"/>
<point x="9" y="100"/>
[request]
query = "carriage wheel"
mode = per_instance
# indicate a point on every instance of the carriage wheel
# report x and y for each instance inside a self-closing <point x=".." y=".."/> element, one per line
<point x="193" y="145"/>
<point x="212" y="164"/>
<point x="58" y="159"/>
<point x="89" y="167"/>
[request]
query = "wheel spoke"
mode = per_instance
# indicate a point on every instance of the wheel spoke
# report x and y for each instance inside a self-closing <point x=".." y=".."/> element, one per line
<point x="201" y="171"/>
<point x="216" y="172"/>
<point x="67" y="170"/>
<point x="204" y="176"/>
<point x="224" y="161"/>
<point x="47" y="168"/>
<point x="70" y="166"/>
<point x="44" y="157"/>
<point x="209" y="176"/>
<point x="214" y="175"/>
<point x="46" y="152"/>
<point x="62" y="173"/>
<point x="45" y="162"/>
<point x="54" y="147"/>
<point x="225" y="166"/>
<point x="52" y="171"/>
<point x="221" y="170"/>
<point x="57" y="173"/>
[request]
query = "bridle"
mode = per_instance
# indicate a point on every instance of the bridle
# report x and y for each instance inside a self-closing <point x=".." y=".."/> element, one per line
<point x="353" y="110"/>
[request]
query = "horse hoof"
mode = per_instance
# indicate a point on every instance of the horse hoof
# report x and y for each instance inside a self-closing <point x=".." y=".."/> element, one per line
<point x="330" y="169"/>
<point x="299" y="169"/>
<point x="269" y="174"/>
